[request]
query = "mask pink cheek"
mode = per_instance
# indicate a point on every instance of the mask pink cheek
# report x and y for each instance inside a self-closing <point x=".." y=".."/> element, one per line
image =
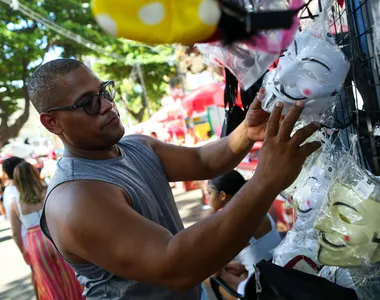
<point x="307" y="92"/>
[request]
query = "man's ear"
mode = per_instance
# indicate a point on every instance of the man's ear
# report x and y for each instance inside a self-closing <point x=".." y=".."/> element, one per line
<point x="51" y="123"/>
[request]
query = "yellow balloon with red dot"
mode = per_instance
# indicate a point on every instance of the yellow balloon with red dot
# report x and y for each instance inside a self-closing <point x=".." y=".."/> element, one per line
<point x="158" y="21"/>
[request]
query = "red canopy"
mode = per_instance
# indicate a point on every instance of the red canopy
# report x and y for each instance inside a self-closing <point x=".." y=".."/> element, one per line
<point x="168" y="113"/>
<point x="207" y="95"/>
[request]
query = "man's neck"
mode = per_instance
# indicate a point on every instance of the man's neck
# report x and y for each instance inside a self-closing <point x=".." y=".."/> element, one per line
<point x="103" y="154"/>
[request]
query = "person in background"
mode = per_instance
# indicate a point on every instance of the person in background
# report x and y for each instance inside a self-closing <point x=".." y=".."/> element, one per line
<point x="54" y="278"/>
<point x="10" y="191"/>
<point x="10" y="195"/>
<point x="265" y="238"/>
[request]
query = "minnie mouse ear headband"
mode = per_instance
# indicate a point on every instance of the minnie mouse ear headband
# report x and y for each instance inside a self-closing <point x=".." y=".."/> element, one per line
<point x="189" y="22"/>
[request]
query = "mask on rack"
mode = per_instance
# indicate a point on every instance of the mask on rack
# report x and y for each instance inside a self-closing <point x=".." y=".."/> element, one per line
<point x="312" y="70"/>
<point x="312" y="193"/>
<point x="350" y="225"/>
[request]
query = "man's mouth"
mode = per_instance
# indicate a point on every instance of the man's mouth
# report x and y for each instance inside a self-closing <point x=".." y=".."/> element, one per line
<point x="111" y="120"/>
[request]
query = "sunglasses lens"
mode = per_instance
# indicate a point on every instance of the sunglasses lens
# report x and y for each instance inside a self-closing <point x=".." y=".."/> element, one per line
<point x="109" y="92"/>
<point x="92" y="106"/>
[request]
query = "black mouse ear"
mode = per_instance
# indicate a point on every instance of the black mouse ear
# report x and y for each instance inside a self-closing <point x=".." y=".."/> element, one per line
<point x="237" y="24"/>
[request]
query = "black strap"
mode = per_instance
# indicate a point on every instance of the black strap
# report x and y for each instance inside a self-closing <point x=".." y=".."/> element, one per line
<point x="217" y="282"/>
<point x="237" y="24"/>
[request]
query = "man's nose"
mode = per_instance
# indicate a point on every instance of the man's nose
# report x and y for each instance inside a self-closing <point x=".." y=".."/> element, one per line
<point x="105" y="105"/>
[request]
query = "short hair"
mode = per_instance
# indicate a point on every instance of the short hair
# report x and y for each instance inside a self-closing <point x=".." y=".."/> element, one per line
<point x="230" y="183"/>
<point x="10" y="164"/>
<point x="42" y="85"/>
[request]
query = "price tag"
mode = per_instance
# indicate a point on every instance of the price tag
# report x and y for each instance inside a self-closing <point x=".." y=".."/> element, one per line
<point x="365" y="188"/>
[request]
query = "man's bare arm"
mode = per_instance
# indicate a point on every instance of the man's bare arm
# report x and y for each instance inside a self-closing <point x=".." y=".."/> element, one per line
<point x="96" y="225"/>
<point x="211" y="160"/>
<point x="208" y="161"/>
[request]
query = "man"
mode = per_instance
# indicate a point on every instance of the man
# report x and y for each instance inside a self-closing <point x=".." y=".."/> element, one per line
<point x="109" y="208"/>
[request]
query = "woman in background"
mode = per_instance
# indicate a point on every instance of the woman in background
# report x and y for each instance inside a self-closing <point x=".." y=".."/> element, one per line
<point x="260" y="246"/>
<point x="54" y="278"/>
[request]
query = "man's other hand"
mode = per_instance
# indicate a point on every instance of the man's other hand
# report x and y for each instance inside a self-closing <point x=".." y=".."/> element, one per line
<point x="257" y="118"/>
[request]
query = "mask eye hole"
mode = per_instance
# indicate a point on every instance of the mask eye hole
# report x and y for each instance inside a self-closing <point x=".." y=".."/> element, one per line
<point x="344" y="219"/>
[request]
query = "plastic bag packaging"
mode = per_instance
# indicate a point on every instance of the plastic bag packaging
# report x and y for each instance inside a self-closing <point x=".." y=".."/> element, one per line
<point x="298" y="251"/>
<point x="365" y="280"/>
<point x="312" y="192"/>
<point x="349" y="222"/>
<point x="312" y="70"/>
<point x="248" y="60"/>
<point x="317" y="136"/>
<point x="247" y="65"/>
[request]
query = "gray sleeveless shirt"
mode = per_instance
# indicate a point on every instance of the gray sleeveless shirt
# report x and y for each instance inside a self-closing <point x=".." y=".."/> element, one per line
<point x="140" y="173"/>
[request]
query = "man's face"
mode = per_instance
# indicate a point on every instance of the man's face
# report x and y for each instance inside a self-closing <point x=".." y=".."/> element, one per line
<point x="76" y="127"/>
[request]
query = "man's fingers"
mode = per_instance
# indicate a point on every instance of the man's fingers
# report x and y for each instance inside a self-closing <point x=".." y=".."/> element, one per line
<point x="256" y="104"/>
<point x="274" y="120"/>
<point x="288" y="124"/>
<point x="303" y="134"/>
<point x="309" y="148"/>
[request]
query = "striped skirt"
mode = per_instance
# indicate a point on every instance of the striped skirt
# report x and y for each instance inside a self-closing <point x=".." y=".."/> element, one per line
<point x="54" y="278"/>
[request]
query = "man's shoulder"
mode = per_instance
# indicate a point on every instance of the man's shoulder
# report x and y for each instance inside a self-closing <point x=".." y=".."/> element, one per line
<point x="136" y="138"/>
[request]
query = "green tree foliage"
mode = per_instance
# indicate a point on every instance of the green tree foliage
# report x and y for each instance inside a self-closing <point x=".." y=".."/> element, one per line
<point x="25" y="42"/>
<point x="143" y="67"/>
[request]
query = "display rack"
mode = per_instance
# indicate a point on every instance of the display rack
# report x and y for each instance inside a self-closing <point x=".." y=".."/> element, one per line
<point x="358" y="104"/>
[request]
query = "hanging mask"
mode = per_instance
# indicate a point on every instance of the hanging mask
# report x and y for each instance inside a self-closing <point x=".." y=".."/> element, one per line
<point x="312" y="193"/>
<point x="288" y="194"/>
<point x="312" y="70"/>
<point x="192" y="21"/>
<point x="350" y="225"/>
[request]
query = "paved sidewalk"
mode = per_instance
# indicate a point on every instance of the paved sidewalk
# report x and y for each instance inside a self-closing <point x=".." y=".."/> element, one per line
<point x="15" y="280"/>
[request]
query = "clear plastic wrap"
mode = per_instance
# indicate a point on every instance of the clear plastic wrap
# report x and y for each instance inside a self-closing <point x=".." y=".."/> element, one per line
<point x="248" y="60"/>
<point x="313" y="70"/>
<point x="318" y="136"/>
<point x="365" y="280"/>
<point x="349" y="222"/>
<point x="312" y="192"/>
<point x="299" y="248"/>
<point x="247" y="64"/>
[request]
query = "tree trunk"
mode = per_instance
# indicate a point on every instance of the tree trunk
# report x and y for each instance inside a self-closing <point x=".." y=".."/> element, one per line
<point x="7" y="131"/>
<point x="138" y="116"/>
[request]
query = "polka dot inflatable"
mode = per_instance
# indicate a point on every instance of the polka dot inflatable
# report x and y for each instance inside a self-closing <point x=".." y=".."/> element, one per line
<point x="158" y="21"/>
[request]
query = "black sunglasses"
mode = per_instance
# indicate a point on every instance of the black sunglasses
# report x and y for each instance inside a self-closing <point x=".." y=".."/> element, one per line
<point x="91" y="104"/>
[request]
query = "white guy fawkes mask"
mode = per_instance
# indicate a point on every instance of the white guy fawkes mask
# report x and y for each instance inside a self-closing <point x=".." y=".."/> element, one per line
<point x="311" y="194"/>
<point x="350" y="225"/>
<point x="312" y="70"/>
